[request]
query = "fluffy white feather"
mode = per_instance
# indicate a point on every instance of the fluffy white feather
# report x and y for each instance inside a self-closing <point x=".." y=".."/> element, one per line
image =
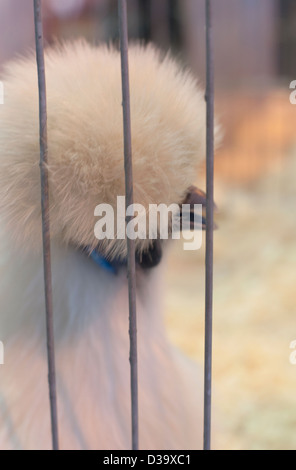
<point x="85" y="139"/>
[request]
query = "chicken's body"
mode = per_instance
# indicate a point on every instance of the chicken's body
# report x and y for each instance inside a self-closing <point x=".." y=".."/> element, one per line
<point x="92" y="351"/>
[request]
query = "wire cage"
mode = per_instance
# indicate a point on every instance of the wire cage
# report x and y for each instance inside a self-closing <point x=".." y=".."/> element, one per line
<point x="131" y="268"/>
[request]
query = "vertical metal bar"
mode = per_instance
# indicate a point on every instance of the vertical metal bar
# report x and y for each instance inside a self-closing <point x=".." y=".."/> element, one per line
<point x="45" y="220"/>
<point x="131" y="263"/>
<point x="209" y="227"/>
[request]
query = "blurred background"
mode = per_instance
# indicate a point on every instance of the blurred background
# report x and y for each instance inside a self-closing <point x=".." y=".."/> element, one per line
<point x="254" y="381"/>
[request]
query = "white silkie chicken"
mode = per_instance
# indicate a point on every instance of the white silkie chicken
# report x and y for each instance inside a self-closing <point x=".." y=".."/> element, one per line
<point x="85" y="140"/>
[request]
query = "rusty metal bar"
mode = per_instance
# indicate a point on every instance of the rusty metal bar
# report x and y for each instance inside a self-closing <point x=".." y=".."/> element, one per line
<point x="131" y="259"/>
<point x="209" y="227"/>
<point x="45" y="220"/>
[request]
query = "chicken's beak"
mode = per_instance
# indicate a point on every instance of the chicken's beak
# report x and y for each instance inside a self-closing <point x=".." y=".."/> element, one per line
<point x="197" y="196"/>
